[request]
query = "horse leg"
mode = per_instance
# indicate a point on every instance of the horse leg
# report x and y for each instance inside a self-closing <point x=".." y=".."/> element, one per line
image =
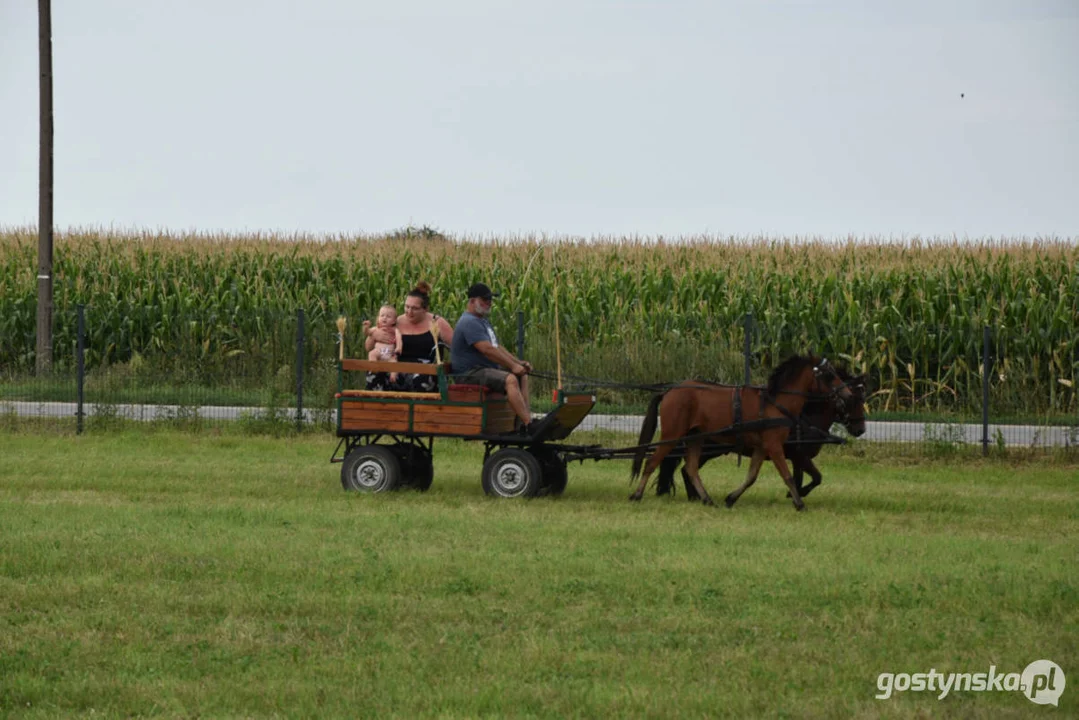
<point x="665" y="483"/>
<point x="813" y="473"/>
<point x="691" y="492"/>
<point x="797" y="465"/>
<point x="775" y="452"/>
<point x="693" y="463"/>
<point x="751" y="477"/>
<point x="649" y="467"/>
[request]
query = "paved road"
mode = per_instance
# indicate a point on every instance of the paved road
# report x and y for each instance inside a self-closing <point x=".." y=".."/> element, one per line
<point x="909" y="432"/>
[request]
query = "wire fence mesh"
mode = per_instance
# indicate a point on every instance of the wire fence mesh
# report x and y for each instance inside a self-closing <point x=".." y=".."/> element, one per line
<point x="279" y="370"/>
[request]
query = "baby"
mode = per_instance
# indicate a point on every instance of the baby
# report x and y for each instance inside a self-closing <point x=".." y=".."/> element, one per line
<point x="386" y="335"/>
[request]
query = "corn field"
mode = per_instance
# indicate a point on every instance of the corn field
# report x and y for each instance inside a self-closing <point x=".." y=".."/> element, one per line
<point x="911" y="314"/>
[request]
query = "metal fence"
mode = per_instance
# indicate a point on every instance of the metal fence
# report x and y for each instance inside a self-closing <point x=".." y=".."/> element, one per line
<point x="976" y="399"/>
<point x="198" y="371"/>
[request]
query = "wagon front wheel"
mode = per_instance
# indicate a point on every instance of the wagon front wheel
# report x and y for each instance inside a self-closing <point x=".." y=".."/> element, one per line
<point x="511" y="473"/>
<point x="371" y="468"/>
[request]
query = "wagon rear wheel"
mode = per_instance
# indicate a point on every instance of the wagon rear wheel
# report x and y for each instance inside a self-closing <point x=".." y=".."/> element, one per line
<point x="371" y="468"/>
<point x="511" y="473"/>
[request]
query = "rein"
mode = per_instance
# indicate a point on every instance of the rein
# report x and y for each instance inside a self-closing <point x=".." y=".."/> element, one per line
<point x="653" y="388"/>
<point x="831" y="394"/>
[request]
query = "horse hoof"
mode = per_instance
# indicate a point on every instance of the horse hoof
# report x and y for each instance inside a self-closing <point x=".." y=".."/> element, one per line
<point x="800" y="506"/>
<point x="729" y="501"/>
<point x="635" y="497"/>
<point x="708" y="502"/>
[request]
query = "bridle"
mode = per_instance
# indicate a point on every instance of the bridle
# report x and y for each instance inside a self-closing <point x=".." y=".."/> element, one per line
<point x="825" y="369"/>
<point x="822" y="370"/>
<point x="856" y="387"/>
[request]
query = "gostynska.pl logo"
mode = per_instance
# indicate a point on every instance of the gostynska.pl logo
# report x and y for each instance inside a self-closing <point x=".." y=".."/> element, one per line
<point x="1041" y="682"/>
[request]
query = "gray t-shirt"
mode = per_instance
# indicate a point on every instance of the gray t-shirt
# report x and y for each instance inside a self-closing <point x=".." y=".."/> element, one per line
<point x="469" y="330"/>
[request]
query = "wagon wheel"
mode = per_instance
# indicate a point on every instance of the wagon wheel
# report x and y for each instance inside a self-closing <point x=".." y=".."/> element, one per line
<point x="512" y="472"/>
<point x="553" y="468"/>
<point x="417" y="469"/>
<point x="371" y="468"/>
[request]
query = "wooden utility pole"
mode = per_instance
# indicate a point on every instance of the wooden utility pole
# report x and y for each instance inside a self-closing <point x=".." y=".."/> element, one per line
<point x="44" y="223"/>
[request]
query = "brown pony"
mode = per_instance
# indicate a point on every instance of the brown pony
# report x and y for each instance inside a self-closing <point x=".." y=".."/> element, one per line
<point x="699" y="412"/>
<point x="801" y="447"/>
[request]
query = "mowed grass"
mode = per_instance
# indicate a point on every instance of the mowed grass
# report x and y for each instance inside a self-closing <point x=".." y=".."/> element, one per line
<point x="163" y="573"/>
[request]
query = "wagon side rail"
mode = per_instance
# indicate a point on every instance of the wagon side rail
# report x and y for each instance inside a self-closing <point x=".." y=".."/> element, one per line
<point x="378" y="366"/>
<point x="453" y="410"/>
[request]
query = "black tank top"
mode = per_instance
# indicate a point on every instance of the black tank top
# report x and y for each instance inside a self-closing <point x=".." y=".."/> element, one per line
<point x="417" y="348"/>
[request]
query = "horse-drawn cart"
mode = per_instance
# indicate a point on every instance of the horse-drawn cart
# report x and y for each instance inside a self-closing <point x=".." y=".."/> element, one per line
<point x="387" y="437"/>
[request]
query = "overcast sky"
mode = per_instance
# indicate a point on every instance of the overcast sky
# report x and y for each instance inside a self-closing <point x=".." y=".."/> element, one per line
<point x="582" y="117"/>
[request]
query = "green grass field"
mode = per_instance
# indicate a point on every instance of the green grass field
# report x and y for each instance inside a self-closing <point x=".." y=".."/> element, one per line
<point x="158" y="573"/>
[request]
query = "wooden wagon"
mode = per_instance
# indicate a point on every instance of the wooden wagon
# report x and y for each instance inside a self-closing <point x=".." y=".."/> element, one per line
<point x="387" y="437"/>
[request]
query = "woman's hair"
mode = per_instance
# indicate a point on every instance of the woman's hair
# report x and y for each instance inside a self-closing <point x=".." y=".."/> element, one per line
<point x="422" y="291"/>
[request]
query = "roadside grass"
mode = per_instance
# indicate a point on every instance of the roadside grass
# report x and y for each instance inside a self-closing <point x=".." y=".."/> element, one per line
<point x="155" y="572"/>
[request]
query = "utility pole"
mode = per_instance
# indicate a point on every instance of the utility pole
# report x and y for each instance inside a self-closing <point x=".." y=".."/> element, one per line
<point x="44" y="223"/>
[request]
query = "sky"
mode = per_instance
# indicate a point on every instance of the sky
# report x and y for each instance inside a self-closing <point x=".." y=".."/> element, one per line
<point x="580" y="118"/>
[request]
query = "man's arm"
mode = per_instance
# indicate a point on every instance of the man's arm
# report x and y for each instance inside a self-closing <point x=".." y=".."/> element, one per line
<point x="502" y="357"/>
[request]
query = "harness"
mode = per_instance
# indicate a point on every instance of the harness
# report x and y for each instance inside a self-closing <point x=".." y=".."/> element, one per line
<point x="795" y="421"/>
<point x="833" y="394"/>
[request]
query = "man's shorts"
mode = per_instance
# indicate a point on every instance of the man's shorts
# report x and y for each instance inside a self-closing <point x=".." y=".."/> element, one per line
<point x="490" y="378"/>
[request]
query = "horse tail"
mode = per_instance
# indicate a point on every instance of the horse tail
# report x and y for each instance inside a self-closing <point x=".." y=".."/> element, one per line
<point x="648" y="429"/>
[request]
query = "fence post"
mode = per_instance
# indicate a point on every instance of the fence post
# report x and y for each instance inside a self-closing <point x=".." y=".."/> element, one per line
<point x="985" y="391"/>
<point x="520" y="334"/>
<point x="80" y="366"/>
<point x="746" y="350"/>
<point x="299" y="369"/>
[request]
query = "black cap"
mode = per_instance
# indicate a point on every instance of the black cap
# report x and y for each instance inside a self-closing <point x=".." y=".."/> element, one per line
<point x="479" y="290"/>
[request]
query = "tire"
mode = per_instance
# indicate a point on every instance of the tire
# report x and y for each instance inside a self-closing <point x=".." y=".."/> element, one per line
<point x="553" y="469"/>
<point x="417" y="470"/>
<point x="371" y="469"/>
<point x="512" y="473"/>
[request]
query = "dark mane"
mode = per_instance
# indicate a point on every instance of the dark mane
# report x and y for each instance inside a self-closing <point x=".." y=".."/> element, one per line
<point x="787" y="371"/>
